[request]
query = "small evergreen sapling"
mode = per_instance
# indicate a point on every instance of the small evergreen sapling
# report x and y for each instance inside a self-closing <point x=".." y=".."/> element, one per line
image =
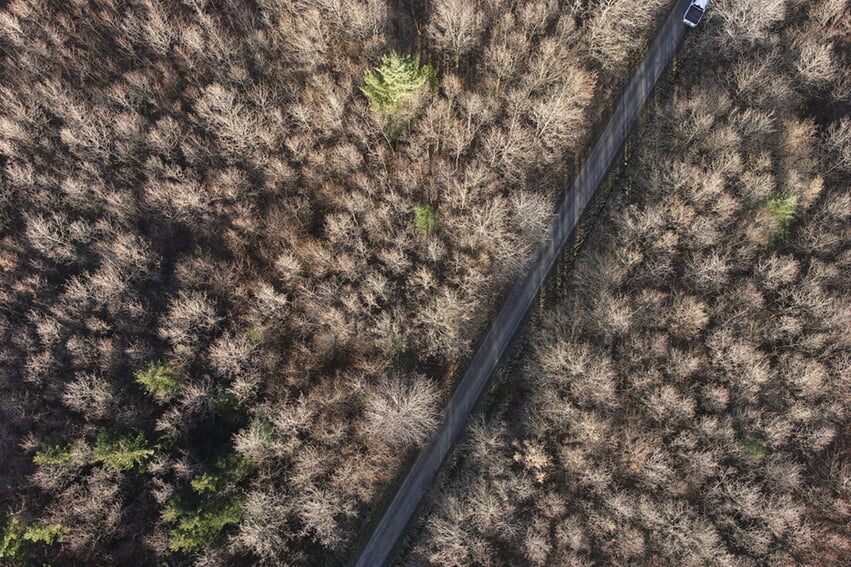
<point x="425" y="219"/>
<point x="53" y="454"/>
<point x="157" y="378"/>
<point x="782" y="207"/>
<point x="781" y="210"/>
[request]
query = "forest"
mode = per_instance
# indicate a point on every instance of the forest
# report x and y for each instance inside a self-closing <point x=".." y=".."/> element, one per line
<point x="683" y="396"/>
<point x="247" y="247"/>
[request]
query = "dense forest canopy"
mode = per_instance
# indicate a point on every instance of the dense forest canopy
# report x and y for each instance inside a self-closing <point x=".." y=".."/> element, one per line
<point x="685" y="400"/>
<point x="235" y="291"/>
<point x="246" y="246"/>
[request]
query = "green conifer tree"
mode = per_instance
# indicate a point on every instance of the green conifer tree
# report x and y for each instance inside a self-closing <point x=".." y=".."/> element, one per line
<point x="17" y="539"/>
<point x="213" y="504"/>
<point x="121" y="452"/>
<point x="398" y="77"/>
<point x="53" y="454"/>
<point x="425" y="219"/>
<point x="157" y="378"/>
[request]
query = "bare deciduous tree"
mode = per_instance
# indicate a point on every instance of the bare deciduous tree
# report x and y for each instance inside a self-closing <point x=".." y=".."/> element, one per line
<point x="455" y="27"/>
<point x="403" y="412"/>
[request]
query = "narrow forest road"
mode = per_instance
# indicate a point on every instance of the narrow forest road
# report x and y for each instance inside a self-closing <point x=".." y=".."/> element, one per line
<point x="384" y="539"/>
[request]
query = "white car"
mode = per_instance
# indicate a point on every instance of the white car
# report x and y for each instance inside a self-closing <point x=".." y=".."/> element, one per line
<point x="695" y="12"/>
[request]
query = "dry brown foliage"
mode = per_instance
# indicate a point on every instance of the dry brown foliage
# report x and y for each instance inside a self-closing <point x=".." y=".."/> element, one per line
<point x="685" y="402"/>
<point x="202" y="185"/>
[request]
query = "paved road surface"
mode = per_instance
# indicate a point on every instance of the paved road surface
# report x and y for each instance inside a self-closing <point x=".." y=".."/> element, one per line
<point x="388" y="532"/>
